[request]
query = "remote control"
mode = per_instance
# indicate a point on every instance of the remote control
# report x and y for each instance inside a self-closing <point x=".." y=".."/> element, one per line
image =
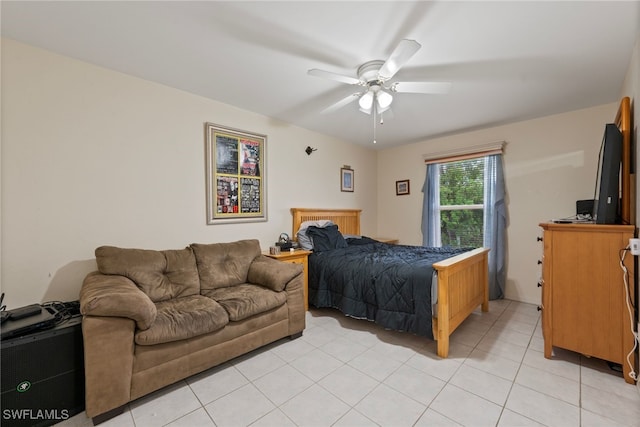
<point x="26" y="311"/>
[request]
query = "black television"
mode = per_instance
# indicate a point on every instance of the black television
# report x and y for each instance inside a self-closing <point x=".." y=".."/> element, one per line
<point x="606" y="203"/>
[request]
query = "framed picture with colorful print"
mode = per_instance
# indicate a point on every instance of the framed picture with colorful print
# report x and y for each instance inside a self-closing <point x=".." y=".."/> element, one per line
<point x="236" y="175"/>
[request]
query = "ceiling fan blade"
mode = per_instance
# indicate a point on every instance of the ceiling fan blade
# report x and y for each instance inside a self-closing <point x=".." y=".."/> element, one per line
<point x="421" y="87"/>
<point x="400" y="55"/>
<point x="343" y="102"/>
<point x="333" y="76"/>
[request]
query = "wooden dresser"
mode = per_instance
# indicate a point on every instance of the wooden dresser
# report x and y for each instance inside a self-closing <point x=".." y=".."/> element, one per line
<point x="584" y="297"/>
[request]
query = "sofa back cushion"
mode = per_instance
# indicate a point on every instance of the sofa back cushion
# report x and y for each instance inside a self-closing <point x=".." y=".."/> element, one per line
<point x="162" y="275"/>
<point x="221" y="265"/>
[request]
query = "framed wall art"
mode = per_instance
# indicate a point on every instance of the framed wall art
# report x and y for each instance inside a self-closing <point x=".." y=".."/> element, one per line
<point x="346" y="179"/>
<point x="236" y="175"/>
<point x="402" y="187"/>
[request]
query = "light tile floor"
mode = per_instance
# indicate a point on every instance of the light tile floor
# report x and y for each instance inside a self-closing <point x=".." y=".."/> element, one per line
<point x="348" y="372"/>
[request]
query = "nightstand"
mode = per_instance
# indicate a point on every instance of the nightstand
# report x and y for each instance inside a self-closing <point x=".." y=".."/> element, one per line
<point x="298" y="256"/>
<point x="386" y="240"/>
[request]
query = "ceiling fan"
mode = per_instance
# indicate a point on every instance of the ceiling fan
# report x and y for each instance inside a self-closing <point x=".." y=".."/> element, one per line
<point x="375" y="77"/>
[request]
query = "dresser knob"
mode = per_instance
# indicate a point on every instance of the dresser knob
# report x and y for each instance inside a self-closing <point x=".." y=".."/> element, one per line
<point x="539" y="262"/>
<point x="539" y="284"/>
<point x="539" y="308"/>
<point x="539" y="239"/>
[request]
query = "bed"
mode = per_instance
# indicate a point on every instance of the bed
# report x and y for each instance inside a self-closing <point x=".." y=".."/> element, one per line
<point x="461" y="279"/>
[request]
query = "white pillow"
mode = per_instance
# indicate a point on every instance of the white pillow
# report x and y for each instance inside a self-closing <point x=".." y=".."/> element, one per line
<point x="305" y="241"/>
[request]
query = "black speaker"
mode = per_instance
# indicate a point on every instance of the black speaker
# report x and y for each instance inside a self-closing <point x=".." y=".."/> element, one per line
<point x="43" y="376"/>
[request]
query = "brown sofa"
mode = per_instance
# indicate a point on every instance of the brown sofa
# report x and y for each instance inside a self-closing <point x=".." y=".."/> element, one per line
<point x="151" y="318"/>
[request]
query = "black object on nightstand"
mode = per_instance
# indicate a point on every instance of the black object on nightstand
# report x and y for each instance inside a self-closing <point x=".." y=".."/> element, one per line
<point x="43" y="375"/>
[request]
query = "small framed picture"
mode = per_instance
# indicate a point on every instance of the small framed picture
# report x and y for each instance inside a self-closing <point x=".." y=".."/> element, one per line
<point x="346" y="179"/>
<point x="402" y="187"/>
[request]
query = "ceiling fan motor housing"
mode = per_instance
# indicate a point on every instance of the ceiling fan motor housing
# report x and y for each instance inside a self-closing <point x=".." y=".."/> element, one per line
<point x="368" y="72"/>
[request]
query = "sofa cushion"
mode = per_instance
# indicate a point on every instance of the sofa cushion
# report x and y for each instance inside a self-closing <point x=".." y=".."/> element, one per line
<point x="247" y="300"/>
<point x="183" y="318"/>
<point x="162" y="275"/>
<point x="271" y="273"/>
<point x="224" y="264"/>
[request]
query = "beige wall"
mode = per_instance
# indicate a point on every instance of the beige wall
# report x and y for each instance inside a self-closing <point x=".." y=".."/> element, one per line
<point x="93" y="157"/>
<point x="549" y="164"/>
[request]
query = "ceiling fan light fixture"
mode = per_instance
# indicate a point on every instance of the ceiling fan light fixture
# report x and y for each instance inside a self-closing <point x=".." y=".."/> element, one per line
<point x="384" y="100"/>
<point x="375" y="77"/>
<point x="366" y="102"/>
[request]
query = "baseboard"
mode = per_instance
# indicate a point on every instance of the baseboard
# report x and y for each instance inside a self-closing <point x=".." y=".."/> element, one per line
<point x="99" y="419"/>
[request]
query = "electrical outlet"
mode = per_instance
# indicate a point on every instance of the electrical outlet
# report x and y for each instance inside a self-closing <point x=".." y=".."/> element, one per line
<point x="634" y="244"/>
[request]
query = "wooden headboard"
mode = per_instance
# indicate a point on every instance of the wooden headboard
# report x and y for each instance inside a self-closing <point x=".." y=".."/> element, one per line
<point x="347" y="220"/>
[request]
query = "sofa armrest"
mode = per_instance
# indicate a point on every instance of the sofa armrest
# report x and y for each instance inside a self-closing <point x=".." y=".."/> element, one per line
<point x="271" y="273"/>
<point x="116" y="296"/>
<point x="295" y="303"/>
<point x="108" y="362"/>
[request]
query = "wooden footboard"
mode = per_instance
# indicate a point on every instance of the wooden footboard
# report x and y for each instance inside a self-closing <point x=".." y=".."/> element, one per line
<point x="463" y="285"/>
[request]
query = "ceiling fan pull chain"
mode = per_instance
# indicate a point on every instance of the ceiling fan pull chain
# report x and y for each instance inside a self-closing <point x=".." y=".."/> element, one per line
<point x="375" y="119"/>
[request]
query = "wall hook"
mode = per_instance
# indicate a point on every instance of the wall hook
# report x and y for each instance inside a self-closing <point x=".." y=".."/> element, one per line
<point x="310" y="150"/>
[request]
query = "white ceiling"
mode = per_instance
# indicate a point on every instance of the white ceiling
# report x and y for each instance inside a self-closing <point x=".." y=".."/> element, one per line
<point x="507" y="61"/>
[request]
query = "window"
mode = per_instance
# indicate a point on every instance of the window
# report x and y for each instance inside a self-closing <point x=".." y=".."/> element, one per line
<point x="461" y="208"/>
<point x="464" y="206"/>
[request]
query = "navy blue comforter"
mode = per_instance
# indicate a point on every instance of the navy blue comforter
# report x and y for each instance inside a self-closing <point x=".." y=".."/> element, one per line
<point x="388" y="284"/>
